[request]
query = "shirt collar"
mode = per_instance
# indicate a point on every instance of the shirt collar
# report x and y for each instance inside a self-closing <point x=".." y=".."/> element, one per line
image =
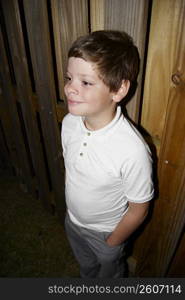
<point x="106" y="129"/>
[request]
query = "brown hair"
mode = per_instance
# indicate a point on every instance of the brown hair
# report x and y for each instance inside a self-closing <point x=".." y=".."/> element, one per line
<point x="114" y="52"/>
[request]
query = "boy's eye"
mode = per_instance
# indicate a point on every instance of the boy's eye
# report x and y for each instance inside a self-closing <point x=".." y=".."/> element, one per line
<point x="67" y="78"/>
<point x="86" y="83"/>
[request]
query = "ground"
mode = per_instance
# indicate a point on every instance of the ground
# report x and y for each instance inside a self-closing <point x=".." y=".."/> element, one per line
<point x="32" y="241"/>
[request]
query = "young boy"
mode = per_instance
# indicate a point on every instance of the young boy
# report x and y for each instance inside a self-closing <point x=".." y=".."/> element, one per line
<point x="108" y="165"/>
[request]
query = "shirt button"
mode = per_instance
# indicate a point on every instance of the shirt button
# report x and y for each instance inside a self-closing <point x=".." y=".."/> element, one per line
<point x="88" y="133"/>
<point x="81" y="154"/>
<point x="85" y="144"/>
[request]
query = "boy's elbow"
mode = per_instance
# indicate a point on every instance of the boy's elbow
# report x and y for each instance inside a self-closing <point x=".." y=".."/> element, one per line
<point x="140" y="210"/>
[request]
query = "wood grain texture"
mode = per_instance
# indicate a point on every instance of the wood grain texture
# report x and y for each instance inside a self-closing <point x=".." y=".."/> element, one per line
<point x="155" y="248"/>
<point x="11" y="122"/>
<point x="24" y="91"/>
<point x="177" y="268"/>
<point x="5" y="161"/>
<point x="70" y="20"/>
<point x="40" y="49"/>
<point x="163" y="54"/>
<point x="97" y="14"/>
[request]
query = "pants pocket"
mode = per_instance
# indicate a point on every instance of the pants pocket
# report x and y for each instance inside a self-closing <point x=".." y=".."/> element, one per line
<point x="105" y="237"/>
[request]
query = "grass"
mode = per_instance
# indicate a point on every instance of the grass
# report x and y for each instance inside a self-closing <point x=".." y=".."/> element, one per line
<point x="32" y="241"/>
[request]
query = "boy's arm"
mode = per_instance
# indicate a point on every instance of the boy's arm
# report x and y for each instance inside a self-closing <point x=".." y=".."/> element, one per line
<point x="134" y="216"/>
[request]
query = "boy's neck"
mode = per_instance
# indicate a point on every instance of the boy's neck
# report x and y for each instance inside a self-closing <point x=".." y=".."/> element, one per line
<point x="98" y="123"/>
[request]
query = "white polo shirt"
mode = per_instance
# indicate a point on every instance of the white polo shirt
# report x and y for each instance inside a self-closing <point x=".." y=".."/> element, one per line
<point x="105" y="169"/>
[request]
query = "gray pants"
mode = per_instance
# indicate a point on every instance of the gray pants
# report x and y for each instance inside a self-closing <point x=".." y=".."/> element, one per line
<point x="95" y="257"/>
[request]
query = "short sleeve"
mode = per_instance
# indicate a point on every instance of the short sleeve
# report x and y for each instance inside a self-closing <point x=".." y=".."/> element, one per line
<point x="137" y="176"/>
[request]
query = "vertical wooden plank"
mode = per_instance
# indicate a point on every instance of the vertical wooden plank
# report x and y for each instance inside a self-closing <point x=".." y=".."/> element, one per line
<point x="157" y="245"/>
<point x="5" y="162"/>
<point x="40" y="49"/>
<point x="14" y="132"/>
<point x="70" y="20"/>
<point x="18" y="54"/>
<point x="172" y="169"/>
<point x="97" y="14"/>
<point x="177" y="267"/>
<point x="124" y="15"/>
<point x="167" y="18"/>
<point x="6" y="124"/>
<point x="14" y="159"/>
<point x="165" y="228"/>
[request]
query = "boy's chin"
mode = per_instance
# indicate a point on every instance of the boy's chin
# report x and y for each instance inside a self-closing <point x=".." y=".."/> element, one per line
<point x="75" y="112"/>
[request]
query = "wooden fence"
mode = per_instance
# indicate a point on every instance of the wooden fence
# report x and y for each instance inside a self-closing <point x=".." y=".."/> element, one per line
<point x="35" y="37"/>
<point x="34" y="40"/>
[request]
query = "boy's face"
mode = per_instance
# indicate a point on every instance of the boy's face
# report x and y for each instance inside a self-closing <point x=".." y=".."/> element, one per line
<point x="86" y="93"/>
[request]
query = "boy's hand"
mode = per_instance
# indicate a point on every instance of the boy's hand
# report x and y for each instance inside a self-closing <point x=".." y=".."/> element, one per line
<point x="129" y="223"/>
<point x="112" y="242"/>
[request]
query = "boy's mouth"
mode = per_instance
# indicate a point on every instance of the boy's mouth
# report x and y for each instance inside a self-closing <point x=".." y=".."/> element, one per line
<point x="72" y="102"/>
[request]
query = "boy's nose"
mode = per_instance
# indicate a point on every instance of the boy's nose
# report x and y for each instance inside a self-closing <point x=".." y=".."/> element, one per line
<point x="71" y="88"/>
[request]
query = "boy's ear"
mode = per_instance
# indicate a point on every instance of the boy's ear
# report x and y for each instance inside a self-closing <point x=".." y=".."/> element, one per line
<point x="122" y="92"/>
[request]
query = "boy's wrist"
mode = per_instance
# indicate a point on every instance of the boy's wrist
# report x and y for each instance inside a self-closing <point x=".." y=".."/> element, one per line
<point x="112" y="241"/>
